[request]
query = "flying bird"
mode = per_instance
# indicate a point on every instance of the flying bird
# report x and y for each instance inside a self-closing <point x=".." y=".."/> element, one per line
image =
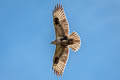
<point x="63" y="41"/>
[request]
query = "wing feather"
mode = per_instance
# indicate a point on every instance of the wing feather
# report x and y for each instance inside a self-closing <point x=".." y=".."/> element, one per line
<point x="62" y="55"/>
<point x="62" y="28"/>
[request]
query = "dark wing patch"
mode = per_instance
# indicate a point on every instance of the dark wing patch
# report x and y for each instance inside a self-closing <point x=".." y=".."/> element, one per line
<point x="56" y="60"/>
<point x="56" y="20"/>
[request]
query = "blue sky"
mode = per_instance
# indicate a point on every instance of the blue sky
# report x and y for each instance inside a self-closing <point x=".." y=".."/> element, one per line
<point x="26" y="30"/>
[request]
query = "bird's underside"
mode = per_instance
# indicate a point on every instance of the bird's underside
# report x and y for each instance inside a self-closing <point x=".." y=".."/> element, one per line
<point x="63" y="41"/>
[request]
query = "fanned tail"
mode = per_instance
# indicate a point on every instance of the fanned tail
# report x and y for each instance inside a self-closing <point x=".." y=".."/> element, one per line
<point x="76" y="41"/>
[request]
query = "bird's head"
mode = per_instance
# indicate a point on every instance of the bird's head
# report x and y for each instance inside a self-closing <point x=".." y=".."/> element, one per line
<point x="53" y="42"/>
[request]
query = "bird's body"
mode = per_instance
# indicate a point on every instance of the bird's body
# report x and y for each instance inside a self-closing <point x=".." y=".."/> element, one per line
<point x="63" y="41"/>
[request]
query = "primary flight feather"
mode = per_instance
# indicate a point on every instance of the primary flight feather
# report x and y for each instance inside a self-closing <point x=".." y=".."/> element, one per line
<point x="63" y="41"/>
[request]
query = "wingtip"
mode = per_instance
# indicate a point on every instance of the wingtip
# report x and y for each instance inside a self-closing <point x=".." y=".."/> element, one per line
<point x="58" y="6"/>
<point x="57" y="72"/>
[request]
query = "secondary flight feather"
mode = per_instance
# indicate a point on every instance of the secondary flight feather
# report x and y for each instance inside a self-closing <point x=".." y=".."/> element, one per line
<point x="63" y="41"/>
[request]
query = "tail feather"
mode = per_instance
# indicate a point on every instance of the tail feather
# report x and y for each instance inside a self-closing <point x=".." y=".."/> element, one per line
<point x="76" y="41"/>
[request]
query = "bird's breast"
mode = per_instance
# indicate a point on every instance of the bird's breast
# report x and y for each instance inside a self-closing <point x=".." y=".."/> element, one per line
<point x="64" y="42"/>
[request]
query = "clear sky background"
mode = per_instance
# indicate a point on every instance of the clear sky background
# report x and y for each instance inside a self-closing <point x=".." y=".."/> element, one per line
<point x="26" y="30"/>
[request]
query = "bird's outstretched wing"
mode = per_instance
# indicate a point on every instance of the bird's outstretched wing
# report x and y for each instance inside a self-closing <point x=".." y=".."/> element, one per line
<point x="60" y="59"/>
<point x="60" y="21"/>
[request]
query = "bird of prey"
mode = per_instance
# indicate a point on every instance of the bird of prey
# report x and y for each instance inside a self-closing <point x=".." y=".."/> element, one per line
<point x="63" y="41"/>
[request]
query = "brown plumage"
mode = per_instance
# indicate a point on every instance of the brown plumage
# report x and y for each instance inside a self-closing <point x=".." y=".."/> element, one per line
<point x="63" y="41"/>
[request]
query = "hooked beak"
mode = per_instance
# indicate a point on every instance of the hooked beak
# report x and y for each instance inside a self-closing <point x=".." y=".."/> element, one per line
<point x="53" y="42"/>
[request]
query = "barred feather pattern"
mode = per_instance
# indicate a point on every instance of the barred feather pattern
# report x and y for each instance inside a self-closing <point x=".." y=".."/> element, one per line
<point x="76" y="41"/>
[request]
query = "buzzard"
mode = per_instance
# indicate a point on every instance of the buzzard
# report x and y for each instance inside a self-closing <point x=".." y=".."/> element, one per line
<point x="63" y="41"/>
